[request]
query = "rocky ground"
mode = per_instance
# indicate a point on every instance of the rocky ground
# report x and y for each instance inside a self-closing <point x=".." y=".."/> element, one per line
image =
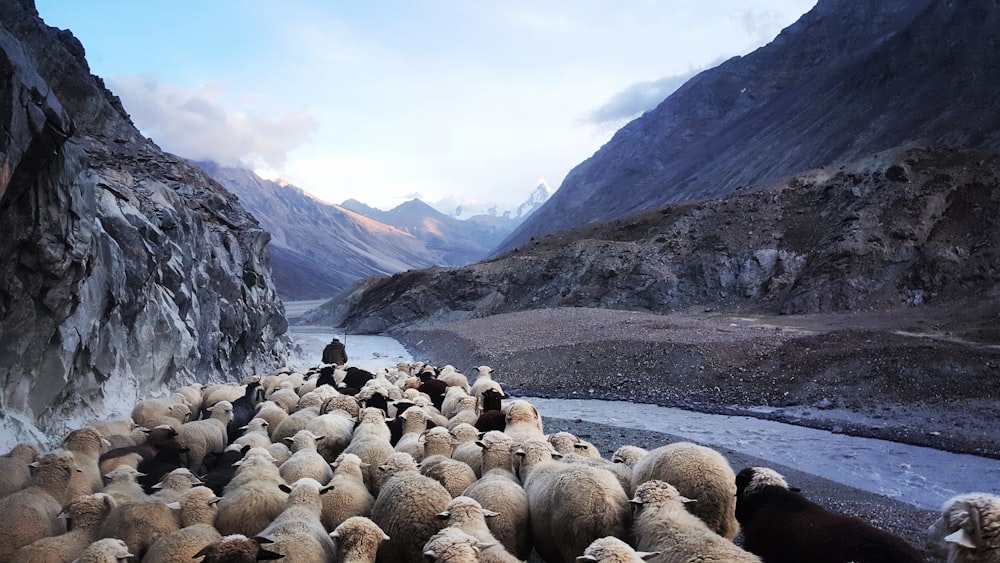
<point x="916" y="375"/>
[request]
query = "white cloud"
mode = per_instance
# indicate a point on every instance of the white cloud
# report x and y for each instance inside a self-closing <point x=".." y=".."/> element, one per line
<point x="640" y="97"/>
<point x="198" y="124"/>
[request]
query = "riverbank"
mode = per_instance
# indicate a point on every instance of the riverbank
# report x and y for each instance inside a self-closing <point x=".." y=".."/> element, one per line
<point x="861" y="375"/>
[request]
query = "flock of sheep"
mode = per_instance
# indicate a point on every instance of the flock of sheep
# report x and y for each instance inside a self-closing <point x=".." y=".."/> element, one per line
<point x="411" y="464"/>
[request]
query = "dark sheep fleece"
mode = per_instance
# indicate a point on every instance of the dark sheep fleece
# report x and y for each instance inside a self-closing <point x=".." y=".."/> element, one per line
<point x="781" y="526"/>
<point x="396" y="424"/>
<point x="357" y="377"/>
<point x="244" y="409"/>
<point x="435" y="389"/>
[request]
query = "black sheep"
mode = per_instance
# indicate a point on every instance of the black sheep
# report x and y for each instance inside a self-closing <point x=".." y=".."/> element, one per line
<point x="357" y="377"/>
<point x="167" y="458"/>
<point x="435" y="389"/>
<point x="396" y="424"/>
<point x="224" y="470"/>
<point x="491" y="418"/>
<point x="326" y="377"/>
<point x="378" y="401"/>
<point x="781" y="526"/>
<point x="244" y="409"/>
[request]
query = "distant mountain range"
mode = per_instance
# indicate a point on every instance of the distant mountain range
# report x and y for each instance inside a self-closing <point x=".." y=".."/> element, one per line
<point x="319" y="249"/>
<point x="848" y="79"/>
<point x="482" y="211"/>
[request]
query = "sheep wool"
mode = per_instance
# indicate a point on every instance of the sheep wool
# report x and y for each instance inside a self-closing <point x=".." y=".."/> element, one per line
<point x="573" y="502"/>
<point x="500" y="491"/>
<point x="968" y="530"/>
<point x="349" y="497"/>
<point x="297" y="532"/>
<point x="662" y="523"/>
<point x="253" y="498"/>
<point x="406" y="509"/>
<point x="207" y="436"/>
<point x="468" y="515"/>
<point x="85" y="513"/>
<point x="455" y="475"/>
<point x="699" y="473"/>
<point x="613" y="550"/>
<point x="357" y="540"/>
<point x="452" y="545"/>
<point x="107" y="550"/>
<point x="197" y="511"/>
<point x="33" y="513"/>
<point x="14" y="471"/>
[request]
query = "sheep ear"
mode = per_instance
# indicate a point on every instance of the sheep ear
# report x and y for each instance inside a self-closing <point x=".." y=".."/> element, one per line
<point x="686" y="500"/>
<point x="335" y="534"/>
<point x="285" y="488"/>
<point x="326" y="489"/>
<point x="443" y="515"/>
<point x="636" y="501"/>
<point x="174" y="505"/>
<point x="202" y="552"/>
<point x="385" y="537"/>
<point x="429" y="555"/>
<point x="485" y="546"/>
<point x="556" y="455"/>
<point x="289" y="440"/>
<point x="581" y="446"/>
<point x="264" y="555"/>
<point x="647" y="555"/>
<point x="262" y="540"/>
<point x="490" y="513"/>
<point x="962" y="538"/>
<point x="580" y="559"/>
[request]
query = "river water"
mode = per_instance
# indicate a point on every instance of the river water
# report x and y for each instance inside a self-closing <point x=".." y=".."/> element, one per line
<point x="919" y="476"/>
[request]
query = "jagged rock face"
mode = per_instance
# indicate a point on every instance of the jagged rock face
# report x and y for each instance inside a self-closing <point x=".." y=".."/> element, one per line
<point x="123" y="270"/>
<point x="901" y="228"/>
<point x="846" y="80"/>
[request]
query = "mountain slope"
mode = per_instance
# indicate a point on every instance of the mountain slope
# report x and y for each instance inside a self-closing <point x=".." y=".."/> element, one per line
<point x="901" y="228"/>
<point x="848" y="79"/>
<point x="318" y="249"/>
<point x="124" y="270"/>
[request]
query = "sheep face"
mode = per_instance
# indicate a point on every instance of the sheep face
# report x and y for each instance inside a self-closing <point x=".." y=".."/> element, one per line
<point x="968" y="523"/>
<point x="657" y="493"/>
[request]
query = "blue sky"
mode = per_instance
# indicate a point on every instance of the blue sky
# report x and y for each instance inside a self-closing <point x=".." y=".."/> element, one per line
<point x="382" y="101"/>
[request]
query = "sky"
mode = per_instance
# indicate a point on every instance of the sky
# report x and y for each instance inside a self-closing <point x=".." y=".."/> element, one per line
<point x="456" y="101"/>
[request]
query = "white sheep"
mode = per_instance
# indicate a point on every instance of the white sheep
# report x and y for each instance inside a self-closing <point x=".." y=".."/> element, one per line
<point x="305" y="460"/>
<point x="297" y="532"/>
<point x="397" y="462"/>
<point x="337" y="428"/>
<point x="415" y="424"/>
<point x="451" y="398"/>
<point x="85" y="514"/>
<point x="466" y="514"/>
<point x="87" y="445"/>
<point x="455" y="475"/>
<point x="968" y="530"/>
<point x="298" y="420"/>
<point x="453" y="378"/>
<point x="279" y="452"/>
<point x="452" y="545"/>
<point x="467" y="411"/>
<point x="483" y="383"/>
<point x="406" y="509"/>
<point x="108" y="550"/>
<point x="500" y="491"/>
<point x="140" y="524"/>
<point x="371" y="442"/>
<point x="197" y="515"/>
<point x="217" y="393"/>
<point x="172" y="411"/>
<point x="613" y="550"/>
<point x="357" y="540"/>
<point x="255" y="434"/>
<point x="568" y="443"/>
<point x="573" y="502"/>
<point x="173" y="485"/>
<point x="523" y="423"/>
<point x="123" y="486"/>
<point x="662" y="523"/>
<point x="15" y="473"/>
<point x="350" y="496"/>
<point x="253" y="498"/>
<point x="286" y="398"/>
<point x="193" y="395"/>
<point x="272" y="413"/>
<point x="628" y="455"/>
<point x="437" y="441"/>
<point x="33" y="512"/>
<point x="699" y="473"/>
<point x="207" y="436"/>
<point x="465" y="447"/>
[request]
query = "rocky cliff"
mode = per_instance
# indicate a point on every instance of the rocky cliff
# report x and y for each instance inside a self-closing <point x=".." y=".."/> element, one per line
<point x="902" y="228"/>
<point x="848" y="79"/>
<point x="123" y="269"/>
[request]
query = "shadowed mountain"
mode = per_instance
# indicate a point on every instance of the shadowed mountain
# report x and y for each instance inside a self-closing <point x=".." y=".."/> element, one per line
<point x="846" y="80"/>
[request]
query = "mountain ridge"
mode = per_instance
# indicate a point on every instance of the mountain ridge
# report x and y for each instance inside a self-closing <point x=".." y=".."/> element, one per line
<point x="845" y="80"/>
